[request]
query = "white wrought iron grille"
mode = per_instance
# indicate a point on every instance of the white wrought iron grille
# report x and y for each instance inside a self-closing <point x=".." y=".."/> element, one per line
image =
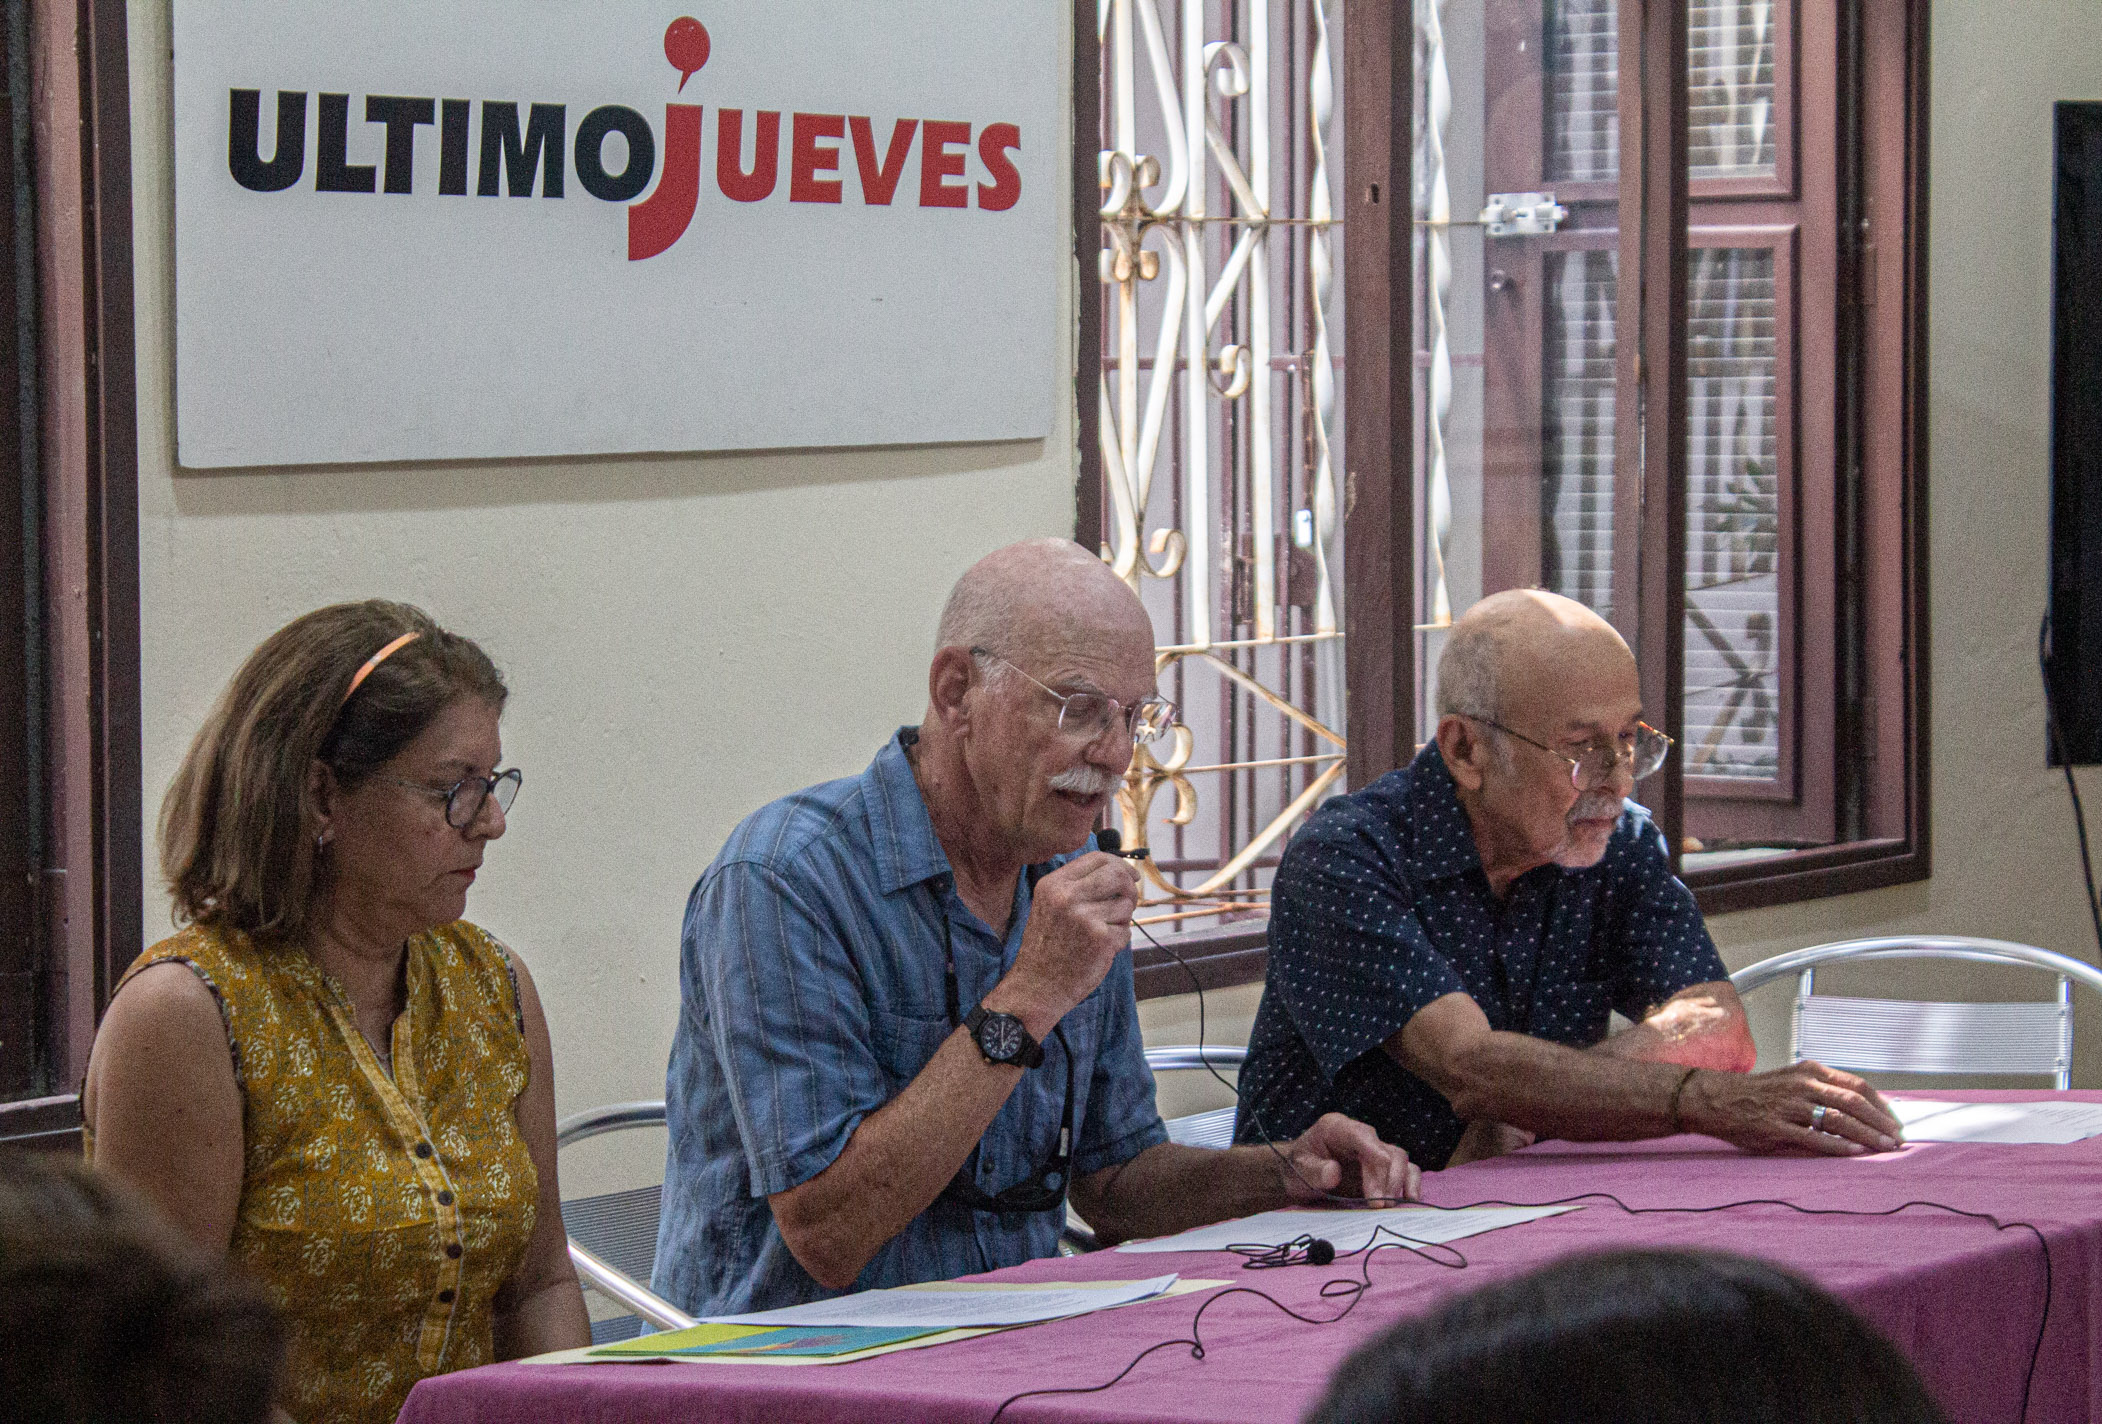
<point x="1220" y="413"/>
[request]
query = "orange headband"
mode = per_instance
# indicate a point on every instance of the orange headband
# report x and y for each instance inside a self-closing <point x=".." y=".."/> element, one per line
<point x="374" y="661"/>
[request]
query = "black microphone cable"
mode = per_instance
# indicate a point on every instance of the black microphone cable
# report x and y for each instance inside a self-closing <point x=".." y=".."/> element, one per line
<point x="1261" y="1256"/>
<point x="1342" y="1288"/>
<point x="2065" y="762"/>
<point x="1255" y="1118"/>
<point x="1353" y="1292"/>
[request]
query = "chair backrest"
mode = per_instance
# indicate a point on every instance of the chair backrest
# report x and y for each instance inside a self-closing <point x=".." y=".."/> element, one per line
<point x="1203" y="1129"/>
<point x="1910" y="1036"/>
<point x="613" y="1237"/>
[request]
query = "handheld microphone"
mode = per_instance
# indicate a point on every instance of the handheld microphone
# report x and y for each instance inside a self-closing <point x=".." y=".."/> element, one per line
<point x="1111" y="839"/>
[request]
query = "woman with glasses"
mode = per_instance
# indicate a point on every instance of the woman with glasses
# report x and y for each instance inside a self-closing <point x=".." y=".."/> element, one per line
<point x="328" y="1074"/>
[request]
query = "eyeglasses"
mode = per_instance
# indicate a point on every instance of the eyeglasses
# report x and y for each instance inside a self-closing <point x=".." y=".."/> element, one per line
<point x="1644" y="752"/>
<point x="464" y="798"/>
<point x="1085" y="716"/>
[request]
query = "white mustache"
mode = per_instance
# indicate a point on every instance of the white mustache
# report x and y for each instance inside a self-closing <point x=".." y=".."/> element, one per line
<point x="1084" y="781"/>
<point x="1595" y="808"/>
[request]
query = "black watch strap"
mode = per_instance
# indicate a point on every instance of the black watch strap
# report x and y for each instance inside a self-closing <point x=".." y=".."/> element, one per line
<point x="1007" y="1042"/>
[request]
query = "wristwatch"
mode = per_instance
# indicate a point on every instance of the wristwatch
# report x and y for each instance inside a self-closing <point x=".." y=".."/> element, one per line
<point x="1002" y="1039"/>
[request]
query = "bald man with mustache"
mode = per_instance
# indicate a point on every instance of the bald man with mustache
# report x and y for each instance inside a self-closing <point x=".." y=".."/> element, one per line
<point x="1446" y="945"/>
<point x="908" y="1033"/>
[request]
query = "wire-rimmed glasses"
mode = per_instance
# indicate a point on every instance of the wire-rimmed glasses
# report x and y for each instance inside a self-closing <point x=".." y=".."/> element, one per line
<point x="465" y="797"/>
<point x="1644" y="751"/>
<point x="1084" y="716"/>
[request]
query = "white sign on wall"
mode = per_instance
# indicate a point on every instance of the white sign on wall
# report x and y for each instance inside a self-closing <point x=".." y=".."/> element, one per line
<point x="426" y="231"/>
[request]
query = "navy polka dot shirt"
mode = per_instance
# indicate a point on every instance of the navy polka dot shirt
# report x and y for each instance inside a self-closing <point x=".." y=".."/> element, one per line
<point x="1381" y="906"/>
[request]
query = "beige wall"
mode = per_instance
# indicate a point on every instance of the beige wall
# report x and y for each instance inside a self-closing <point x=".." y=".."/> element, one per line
<point x="687" y="638"/>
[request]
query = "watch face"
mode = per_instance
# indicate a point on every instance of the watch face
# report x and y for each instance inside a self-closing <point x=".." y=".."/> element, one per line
<point x="1000" y="1037"/>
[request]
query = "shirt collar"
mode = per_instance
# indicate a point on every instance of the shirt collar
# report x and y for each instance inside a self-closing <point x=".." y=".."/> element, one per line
<point x="907" y="850"/>
<point x="1443" y="838"/>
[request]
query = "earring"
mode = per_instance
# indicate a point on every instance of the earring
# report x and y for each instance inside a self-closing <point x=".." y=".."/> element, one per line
<point x="320" y="842"/>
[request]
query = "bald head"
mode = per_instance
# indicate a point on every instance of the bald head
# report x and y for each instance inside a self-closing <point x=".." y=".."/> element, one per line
<point x="1518" y="642"/>
<point x="1039" y="595"/>
<point x="1007" y="781"/>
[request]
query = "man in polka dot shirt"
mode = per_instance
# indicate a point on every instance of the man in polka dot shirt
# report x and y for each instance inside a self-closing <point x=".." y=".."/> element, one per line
<point x="1446" y="944"/>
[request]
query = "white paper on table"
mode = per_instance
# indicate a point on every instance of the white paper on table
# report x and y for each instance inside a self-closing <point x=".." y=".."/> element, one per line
<point x="2052" y="1120"/>
<point x="920" y="1307"/>
<point x="1349" y="1230"/>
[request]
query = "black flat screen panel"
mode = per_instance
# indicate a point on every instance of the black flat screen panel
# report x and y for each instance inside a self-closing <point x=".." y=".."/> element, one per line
<point x="2076" y="431"/>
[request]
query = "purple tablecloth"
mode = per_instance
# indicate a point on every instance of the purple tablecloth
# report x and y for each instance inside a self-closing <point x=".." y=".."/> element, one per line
<point x="1962" y="1299"/>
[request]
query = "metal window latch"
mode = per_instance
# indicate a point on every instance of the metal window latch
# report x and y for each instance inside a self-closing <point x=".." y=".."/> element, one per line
<point x="1522" y="214"/>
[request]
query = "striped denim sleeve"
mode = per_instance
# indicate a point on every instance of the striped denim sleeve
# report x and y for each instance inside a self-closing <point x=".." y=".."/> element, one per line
<point x="786" y="1023"/>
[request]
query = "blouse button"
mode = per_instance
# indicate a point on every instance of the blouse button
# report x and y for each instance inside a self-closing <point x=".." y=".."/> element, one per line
<point x="452" y="1249"/>
<point x="445" y="1198"/>
<point x="423" y="1149"/>
<point x="445" y="1297"/>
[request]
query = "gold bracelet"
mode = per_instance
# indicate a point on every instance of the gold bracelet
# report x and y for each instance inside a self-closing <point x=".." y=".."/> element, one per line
<point x="1684" y="1078"/>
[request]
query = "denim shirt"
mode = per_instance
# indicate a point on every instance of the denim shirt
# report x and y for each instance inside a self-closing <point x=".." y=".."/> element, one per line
<point x="811" y="976"/>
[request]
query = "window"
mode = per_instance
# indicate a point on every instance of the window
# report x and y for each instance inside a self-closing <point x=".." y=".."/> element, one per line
<point x="1684" y="390"/>
<point x="1776" y="637"/>
<point x="1757" y="461"/>
<point x="70" y="873"/>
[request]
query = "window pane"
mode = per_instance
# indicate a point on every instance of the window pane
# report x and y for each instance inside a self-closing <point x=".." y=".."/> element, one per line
<point x="1519" y="402"/>
<point x="1730" y="89"/>
<point x="1733" y="523"/>
<point x="1576" y="484"/>
<point x="1583" y="87"/>
<point x="1729" y="85"/>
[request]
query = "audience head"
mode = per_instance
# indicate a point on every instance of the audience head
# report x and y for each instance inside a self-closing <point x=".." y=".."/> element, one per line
<point x="293" y="790"/>
<point x="111" y="1318"/>
<point x="1668" y="1337"/>
<point x="1525" y="675"/>
<point x="1025" y="626"/>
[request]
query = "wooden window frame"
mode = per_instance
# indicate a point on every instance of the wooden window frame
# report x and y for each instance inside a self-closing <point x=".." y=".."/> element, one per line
<point x="1883" y="617"/>
<point x="90" y="912"/>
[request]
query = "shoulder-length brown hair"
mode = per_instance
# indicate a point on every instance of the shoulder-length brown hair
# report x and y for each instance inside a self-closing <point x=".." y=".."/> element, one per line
<point x="238" y="824"/>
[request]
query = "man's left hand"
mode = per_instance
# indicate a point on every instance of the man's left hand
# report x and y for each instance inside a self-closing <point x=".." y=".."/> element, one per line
<point x="1340" y="1156"/>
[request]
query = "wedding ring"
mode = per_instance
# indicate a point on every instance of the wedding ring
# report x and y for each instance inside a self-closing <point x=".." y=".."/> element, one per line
<point x="1817" y="1117"/>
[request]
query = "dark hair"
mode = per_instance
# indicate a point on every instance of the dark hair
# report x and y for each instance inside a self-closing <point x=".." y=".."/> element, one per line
<point x="1632" y="1334"/>
<point x="238" y="824"/>
<point x="111" y="1317"/>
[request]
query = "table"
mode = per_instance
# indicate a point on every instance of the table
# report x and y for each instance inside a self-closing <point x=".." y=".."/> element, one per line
<point x="1960" y="1298"/>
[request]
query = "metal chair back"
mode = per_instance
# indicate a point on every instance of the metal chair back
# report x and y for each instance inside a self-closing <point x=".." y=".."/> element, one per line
<point x="613" y="1237"/>
<point x="1203" y="1129"/>
<point x="1911" y="1036"/>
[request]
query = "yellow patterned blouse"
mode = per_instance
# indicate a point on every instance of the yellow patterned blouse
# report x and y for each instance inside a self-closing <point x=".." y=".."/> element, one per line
<point x="382" y="1213"/>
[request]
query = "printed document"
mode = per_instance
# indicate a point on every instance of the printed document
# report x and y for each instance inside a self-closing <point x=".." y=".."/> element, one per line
<point x="960" y="1306"/>
<point x="1350" y="1230"/>
<point x="2051" y="1120"/>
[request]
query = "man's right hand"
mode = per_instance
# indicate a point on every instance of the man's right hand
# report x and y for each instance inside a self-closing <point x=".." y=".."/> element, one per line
<point x="1079" y="917"/>
<point x="1771" y="1112"/>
